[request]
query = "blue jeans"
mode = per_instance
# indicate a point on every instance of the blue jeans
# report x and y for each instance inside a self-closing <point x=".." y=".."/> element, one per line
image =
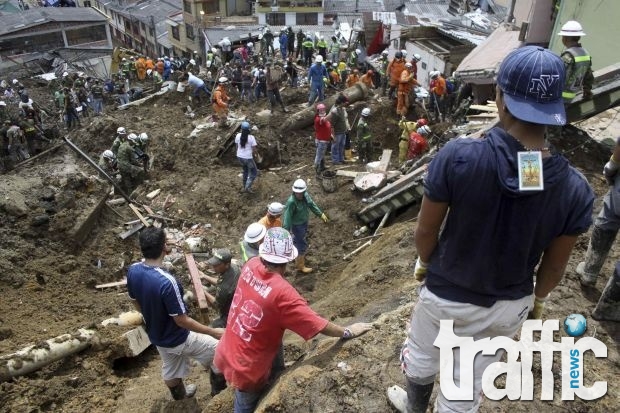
<point x="98" y="105"/>
<point x="316" y="89"/>
<point x="338" y="147"/>
<point x="260" y="89"/>
<point x="321" y="148"/>
<point x="299" y="237"/>
<point x="196" y="92"/>
<point x="245" y="402"/>
<point x="249" y="172"/>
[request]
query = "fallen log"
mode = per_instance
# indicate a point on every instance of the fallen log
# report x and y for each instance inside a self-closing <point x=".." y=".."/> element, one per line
<point x="39" y="355"/>
<point x="305" y="117"/>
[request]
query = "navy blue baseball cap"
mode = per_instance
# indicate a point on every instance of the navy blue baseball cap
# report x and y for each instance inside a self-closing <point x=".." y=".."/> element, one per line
<point x="532" y="79"/>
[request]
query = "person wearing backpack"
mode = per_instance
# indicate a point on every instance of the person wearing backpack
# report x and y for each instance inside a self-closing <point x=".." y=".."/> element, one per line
<point x="260" y="82"/>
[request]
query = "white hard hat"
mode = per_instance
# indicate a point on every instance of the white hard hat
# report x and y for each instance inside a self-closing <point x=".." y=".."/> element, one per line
<point x="132" y="137"/>
<point x="149" y="71"/>
<point x="424" y="130"/>
<point x="108" y="154"/>
<point x="254" y="233"/>
<point x="223" y="79"/>
<point x="192" y="61"/>
<point x="275" y="208"/>
<point x="385" y="53"/>
<point x="2" y="103"/>
<point x="417" y="57"/>
<point x="319" y="59"/>
<point x="358" y="51"/>
<point x="121" y="131"/>
<point x="366" y="112"/>
<point x="65" y="74"/>
<point x="408" y="64"/>
<point x="435" y="73"/>
<point x="250" y="44"/>
<point x="572" y="28"/>
<point x="299" y="186"/>
<point x="278" y="247"/>
<point x="15" y="81"/>
<point x="143" y="137"/>
<point x="404" y="52"/>
<point x="213" y="50"/>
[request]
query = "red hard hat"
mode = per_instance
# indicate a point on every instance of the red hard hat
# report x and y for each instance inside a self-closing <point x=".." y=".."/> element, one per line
<point x="421" y="122"/>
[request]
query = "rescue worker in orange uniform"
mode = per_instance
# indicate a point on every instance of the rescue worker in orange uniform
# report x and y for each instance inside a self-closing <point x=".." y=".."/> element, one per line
<point x="273" y="217"/>
<point x="220" y="101"/>
<point x="406" y="83"/>
<point x="394" y="70"/>
<point x="367" y="79"/>
<point x="159" y="67"/>
<point x="438" y="94"/>
<point x="141" y="68"/>
<point x="149" y="64"/>
<point x="353" y="78"/>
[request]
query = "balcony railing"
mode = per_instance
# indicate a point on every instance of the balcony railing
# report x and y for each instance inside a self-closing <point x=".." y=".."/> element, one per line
<point x="288" y="4"/>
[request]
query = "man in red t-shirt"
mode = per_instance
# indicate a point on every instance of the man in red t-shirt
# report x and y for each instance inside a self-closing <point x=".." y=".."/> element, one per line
<point x="417" y="142"/>
<point x="263" y="307"/>
<point x="323" y="136"/>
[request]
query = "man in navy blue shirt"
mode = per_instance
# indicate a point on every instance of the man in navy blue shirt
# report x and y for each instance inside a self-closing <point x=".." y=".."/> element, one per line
<point x="507" y="203"/>
<point x="316" y="75"/>
<point x="159" y="297"/>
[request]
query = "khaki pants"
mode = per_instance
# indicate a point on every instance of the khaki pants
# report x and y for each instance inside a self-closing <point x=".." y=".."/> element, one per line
<point x="403" y="148"/>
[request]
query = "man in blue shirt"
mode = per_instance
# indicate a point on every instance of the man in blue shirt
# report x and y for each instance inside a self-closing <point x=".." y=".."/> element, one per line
<point x="484" y="227"/>
<point x="316" y="74"/>
<point x="159" y="297"/>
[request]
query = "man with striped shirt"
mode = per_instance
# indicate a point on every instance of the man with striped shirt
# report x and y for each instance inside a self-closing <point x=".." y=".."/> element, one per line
<point x="159" y="297"/>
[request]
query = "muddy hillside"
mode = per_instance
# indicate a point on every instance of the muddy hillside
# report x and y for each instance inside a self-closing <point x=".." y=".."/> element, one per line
<point x="62" y="237"/>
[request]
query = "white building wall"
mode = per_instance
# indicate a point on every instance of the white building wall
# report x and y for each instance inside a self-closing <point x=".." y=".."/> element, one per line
<point x="428" y="63"/>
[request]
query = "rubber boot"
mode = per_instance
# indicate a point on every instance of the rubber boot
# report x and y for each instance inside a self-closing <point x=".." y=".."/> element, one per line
<point x="218" y="382"/>
<point x="598" y="248"/>
<point x="419" y="395"/>
<point x="608" y="306"/>
<point x="180" y="392"/>
<point x="301" y="264"/>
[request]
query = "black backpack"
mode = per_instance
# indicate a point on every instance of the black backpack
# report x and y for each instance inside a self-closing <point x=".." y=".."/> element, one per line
<point x="262" y="78"/>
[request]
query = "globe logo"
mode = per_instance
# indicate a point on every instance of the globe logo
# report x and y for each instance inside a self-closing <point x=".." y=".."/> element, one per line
<point x="575" y="325"/>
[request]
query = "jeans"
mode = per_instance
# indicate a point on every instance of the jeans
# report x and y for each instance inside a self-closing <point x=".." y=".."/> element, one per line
<point x="294" y="81"/>
<point x="260" y="89"/>
<point x="299" y="237"/>
<point x="98" y="106"/>
<point x="124" y="98"/>
<point x="321" y="148"/>
<point x="196" y="92"/>
<point x="338" y="147"/>
<point x="246" y="92"/>
<point x="249" y="172"/>
<point x="245" y="402"/>
<point x="274" y="97"/>
<point x="316" y="89"/>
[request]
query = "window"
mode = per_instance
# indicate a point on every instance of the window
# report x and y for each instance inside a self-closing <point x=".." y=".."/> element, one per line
<point x="143" y="27"/>
<point x="189" y="31"/>
<point x="87" y="4"/>
<point x="423" y="66"/>
<point x="211" y="7"/>
<point x="307" y="19"/>
<point x="151" y="32"/>
<point x="175" y="32"/>
<point x="276" y="19"/>
<point x="187" y="7"/>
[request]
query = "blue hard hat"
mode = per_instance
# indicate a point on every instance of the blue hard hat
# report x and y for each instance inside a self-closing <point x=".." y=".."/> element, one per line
<point x="245" y="125"/>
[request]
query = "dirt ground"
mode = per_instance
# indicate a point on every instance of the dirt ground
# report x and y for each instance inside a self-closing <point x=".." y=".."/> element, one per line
<point x="47" y="278"/>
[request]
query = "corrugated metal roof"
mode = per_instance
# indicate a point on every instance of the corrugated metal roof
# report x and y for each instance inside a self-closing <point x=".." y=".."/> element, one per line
<point x="429" y="11"/>
<point x="15" y="22"/>
<point x="481" y="65"/>
<point x="159" y="9"/>
<point x="463" y="35"/>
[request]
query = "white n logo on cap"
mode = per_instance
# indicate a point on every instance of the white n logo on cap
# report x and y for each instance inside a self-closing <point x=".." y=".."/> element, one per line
<point x="541" y="86"/>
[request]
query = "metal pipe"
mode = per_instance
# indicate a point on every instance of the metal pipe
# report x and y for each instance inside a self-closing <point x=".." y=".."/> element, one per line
<point x="101" y="171"/>
<point x="511" y="12"/>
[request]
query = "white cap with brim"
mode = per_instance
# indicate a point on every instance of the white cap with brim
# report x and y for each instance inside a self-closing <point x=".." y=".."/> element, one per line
<point x="532" y="79"/>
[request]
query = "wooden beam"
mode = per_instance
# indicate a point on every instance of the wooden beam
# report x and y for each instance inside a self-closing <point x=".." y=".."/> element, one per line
<point x="139" y="215"/>
<point x="113" y="284"/>
<point x="131" y="231"/>
<point x="385" y="161"/>
<point x="194" y="276"/>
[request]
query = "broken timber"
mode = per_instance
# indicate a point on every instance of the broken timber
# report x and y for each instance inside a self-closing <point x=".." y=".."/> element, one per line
<point x="406" y="190"/>
<point x="112" y="284"/>
<point x="229" y="140"/>
<point x="194" y="276"/>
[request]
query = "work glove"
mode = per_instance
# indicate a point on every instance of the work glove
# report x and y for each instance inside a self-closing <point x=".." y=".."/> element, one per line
<point x="324" y="218"/>
<point x="356" y="330"/>
<point x="610" y="170"/>
<point x="537" y="311"/>
<point x="419" y="270"/>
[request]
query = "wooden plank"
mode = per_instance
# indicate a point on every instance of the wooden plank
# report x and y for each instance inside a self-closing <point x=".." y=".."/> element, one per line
<point x="39" y="155"/>
<point x="139" y="215"/>
<point x="112" y="284"/>
<point x="484" y="108"/>
<point x="385" y="161"/>
<point x="348" y="174"/>
<point x="194" y="275"/>
<point x="148" y="209"/>
<point x="131" y="231"/>
<point x="153" y="194"/>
